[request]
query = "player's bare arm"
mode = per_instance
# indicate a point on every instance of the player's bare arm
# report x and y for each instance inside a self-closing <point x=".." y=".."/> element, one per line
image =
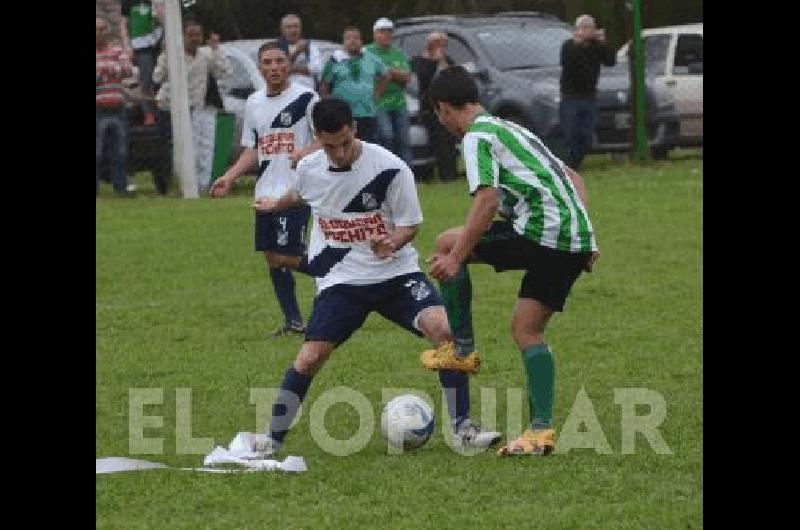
<point x="271" y="204"/>
<point x="580" y="187"/>
<point x="385" y="246"/>
<point x="222" y="185"/>
<point x="445" y="266"/>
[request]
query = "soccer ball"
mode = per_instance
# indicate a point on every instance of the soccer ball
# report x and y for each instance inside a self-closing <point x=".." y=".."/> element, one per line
<point x="407" y="422"/>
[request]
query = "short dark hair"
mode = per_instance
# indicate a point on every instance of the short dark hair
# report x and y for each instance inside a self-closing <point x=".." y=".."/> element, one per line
<point x="189" y="22"/>
<point x="270" y="45"/>
<point x="351" y="28"/>
<point x="330" y="115"/>
<point x="453" y="85"/>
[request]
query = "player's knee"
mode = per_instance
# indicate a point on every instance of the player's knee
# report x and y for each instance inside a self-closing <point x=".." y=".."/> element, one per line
<point x="310" y="360"/>
<point x="272" y="260"/>
<point x="276" y="261"/>
<point x="525" y="340"/>
<point x="526" y="333"/>
<point x="433" y="324"/>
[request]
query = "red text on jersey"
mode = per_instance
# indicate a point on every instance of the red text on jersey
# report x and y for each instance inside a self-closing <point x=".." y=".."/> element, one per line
<point x="276" y="143"/>
<point x="353" y="230"/>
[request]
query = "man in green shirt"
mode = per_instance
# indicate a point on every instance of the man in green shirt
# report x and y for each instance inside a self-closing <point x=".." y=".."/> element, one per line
<point x="357" y="77"/>
<point x="392" y="115"/>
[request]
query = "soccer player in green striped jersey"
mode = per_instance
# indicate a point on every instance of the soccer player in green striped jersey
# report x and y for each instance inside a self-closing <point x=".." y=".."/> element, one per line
<point x="543" y="228"/>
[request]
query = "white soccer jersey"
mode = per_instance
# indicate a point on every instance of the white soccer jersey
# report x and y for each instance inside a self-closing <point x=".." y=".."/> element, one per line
<point x="276" y="126"/>
<point x="351" y="207"/>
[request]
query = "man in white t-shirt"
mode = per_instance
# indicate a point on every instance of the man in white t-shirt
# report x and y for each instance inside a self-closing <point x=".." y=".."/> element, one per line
<point x="276" y="131"/>
<point x="365" y="214"/>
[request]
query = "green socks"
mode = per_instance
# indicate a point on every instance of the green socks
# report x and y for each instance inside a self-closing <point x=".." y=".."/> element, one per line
<point x="457" y="297"/>
<point x="541" y="377"/>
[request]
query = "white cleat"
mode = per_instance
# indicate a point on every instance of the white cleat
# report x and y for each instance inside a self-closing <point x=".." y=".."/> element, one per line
<point x="470" y="435"/>
<point x="253" y="446"/>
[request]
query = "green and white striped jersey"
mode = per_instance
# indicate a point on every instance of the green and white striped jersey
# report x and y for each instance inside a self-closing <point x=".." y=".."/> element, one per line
<point x="535" y="191"/>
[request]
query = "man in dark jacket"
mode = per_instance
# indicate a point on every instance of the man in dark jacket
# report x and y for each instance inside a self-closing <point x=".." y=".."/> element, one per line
<point x="433" y="59"/>
<point x="581" y="58"/>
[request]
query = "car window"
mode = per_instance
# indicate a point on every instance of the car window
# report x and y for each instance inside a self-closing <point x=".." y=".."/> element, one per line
<point x="688" y="50"/>
<point x="413" y="43"/>
<point x="523" y="47"/>
<point x="656" y="48"/>
<point x="459" y="51"/>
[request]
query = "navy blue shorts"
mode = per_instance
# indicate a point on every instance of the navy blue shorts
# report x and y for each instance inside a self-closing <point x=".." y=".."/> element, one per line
<point x="340" y="309"/>
<point x="282" y="232"/>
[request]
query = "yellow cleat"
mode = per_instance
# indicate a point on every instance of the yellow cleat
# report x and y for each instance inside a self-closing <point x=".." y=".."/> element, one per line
<point x="444" y="358"/>
<point x="539" y="442"/>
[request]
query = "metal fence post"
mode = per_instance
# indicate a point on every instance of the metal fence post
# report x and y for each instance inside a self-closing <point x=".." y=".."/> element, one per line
<point x="639" y="89"/>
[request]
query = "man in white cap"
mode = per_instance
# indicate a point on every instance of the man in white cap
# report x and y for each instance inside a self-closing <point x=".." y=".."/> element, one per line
<point x="392" y="115"/>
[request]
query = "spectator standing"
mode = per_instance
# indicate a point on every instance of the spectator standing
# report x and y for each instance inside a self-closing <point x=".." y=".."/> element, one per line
<point x="112" y="64"/>
<point x="111" y="12"/>
<point x="392" y="114"/>
<point x="200" y="61"/>
<point x="357" y="77"/>
<point x="303" y="54"/>
<point x="581" y="57"/>
<point x="434" y="58"/>
<point x="144" y="31"/>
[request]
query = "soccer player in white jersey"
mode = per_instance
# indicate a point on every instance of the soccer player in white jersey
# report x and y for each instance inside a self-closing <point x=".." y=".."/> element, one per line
<point x="545" y="230"/>
<point x="365" y="214"/>
<point x="276" y="131"/>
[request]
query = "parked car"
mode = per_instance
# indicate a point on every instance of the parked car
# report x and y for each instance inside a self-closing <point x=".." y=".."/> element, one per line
<point x="674" y="57"/>
<point x="515" y="59"/>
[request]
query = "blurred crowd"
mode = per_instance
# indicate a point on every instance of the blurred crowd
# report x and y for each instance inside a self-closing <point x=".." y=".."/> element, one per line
<point x="132" y="88"/>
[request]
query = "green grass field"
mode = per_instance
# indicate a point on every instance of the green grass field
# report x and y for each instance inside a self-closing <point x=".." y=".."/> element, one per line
<point x="182" y="301"/>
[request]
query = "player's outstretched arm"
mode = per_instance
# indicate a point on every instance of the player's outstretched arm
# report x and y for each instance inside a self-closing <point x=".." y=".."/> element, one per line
<point x="580" y="187"/>
<point x="222" y="185"/>
<point x="487" y="199"/>
<point x="271" y="204"/>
